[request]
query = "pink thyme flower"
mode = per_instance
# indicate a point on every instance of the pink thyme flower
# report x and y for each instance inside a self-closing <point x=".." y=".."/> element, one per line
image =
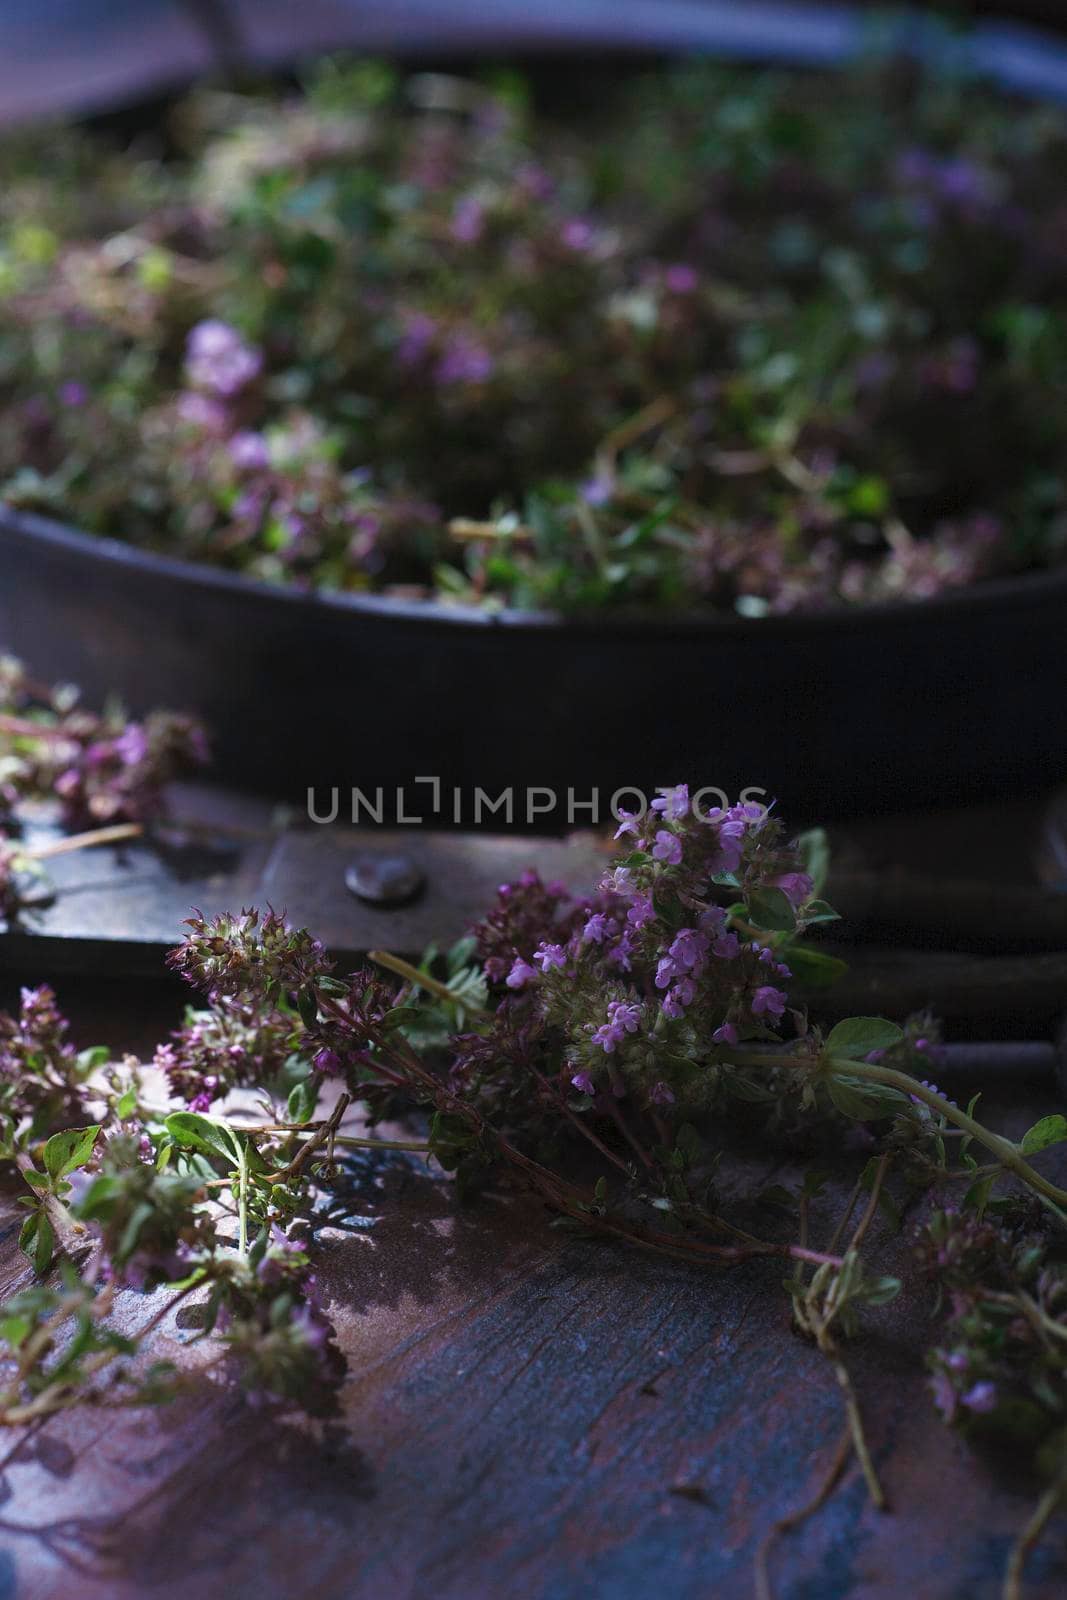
<point x="219" y="361"/>
<point x="768" y="1002"/>
<point x="520" y="974"/>
<point x="689" y="949"/>
<point x="548" y="956"/>
<point x="641" y="911"/>
<point x="673" y="804"/>
<point x="667" y="848"/>
<point x="623" y="1017"/>
<point x="796" y="886"/>
<point x="981" y="1397"/>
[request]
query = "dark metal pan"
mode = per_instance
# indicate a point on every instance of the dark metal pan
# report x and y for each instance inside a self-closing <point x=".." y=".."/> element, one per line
<point x="884" y="708"/>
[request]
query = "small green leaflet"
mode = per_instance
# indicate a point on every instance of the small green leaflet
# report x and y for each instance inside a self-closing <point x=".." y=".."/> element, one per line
<point x="863" y="1102"/>
<point x="1050" y="1130"/>
<point x="37" y="1241"/>
<point x="881" y="1291"/>
<point x="814" y="850"/>
<point x="88" y="1061"/>
<point x="770" y="909"/>
<point x="205" y="1134"/>
<point x="819" y="911"/>
<point x="67" y="1151"/>
<point x="812" y="968"/>
<point x="856" y="1037"/>
<point x="301" y="1102"/>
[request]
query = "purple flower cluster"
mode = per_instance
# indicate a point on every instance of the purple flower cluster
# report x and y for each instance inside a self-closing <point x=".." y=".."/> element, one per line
<point x="273" y="1321"/>
<point x="251" y="954"/>
<point x="38" y="1061"/>
<point x="528" y="915"/>
<point x="101" y="768"/>
<point x="120" y="776"/>
<point x="624" y="1017"/>
<point x="219" y="362"/>
<point x="397" y="319"/>
<point x="651" y="969"/>
<point x="232" y="1044"/>
<point x="998" y="1367"/>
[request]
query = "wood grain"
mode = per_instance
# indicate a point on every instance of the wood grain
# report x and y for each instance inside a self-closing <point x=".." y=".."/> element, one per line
<point x="526" y="1414"/>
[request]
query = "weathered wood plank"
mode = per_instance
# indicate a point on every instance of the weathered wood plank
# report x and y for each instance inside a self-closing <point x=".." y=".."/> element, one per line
<point x="526" y="1414"/>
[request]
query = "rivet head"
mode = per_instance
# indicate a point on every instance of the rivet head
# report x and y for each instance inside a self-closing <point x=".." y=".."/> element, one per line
<point x="385" y="880"/>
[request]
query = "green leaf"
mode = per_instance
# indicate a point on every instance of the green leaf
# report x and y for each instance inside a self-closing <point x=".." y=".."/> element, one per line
<point x="770" y="909"/>
<point x="812" y="968"/>
<point x="398" y="1017"/>
<point x="307" y="1003"/>
<point x="89" y="1060"/>
<point x="67" y="1151"/>
<point x="463" y="953"/>
<point x="881" y="1291"/>
<point x="126" y="1104"/>
<point x="334" y="986"/>
<point x="856" y="1037"/>
<point x="141" y="1213"/>
<point x="977" y="1196"/>
<point x="37" y="1241"/>
<point x="301" y="1102"/>
<point x="1050" y="1130"/>
<point x="96" y="1202"/>
<point x="207" y="1135"/>
<point x="15" y="1329"/>
<point x="863" y="1102"/>
<point x="819" y="911"/>
<point x="469" y="987"/>
<point x="814" y="850"/>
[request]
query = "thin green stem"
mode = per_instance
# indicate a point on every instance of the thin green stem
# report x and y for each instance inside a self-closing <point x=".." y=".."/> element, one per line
<point x="72" y="1237"/>
<point x="420" y="1146"/>
<point x="404" y="969"/>
<point x="793" y="1519"/>
<point x="1006" y="1152"/>
<point x="872" y="1204"/>
<point x="868" y="1071"/>
<point x="85" y="841"/>
<point x="855" y="1425"/>
<point x="1031" y="1533"/>
<point x="242" y="1201"/>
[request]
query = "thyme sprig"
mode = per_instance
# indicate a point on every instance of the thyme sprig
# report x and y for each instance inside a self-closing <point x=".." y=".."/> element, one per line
<point x="605" y="1053"/>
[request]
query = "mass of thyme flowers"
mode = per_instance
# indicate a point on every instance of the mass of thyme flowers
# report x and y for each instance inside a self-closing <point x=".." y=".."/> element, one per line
<point x="739" y="339"/>
<point x="102" y="773"/>
<point x="604" y="1052"/>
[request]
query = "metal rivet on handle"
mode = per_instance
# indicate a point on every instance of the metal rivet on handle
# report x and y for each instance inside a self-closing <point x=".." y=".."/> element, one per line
<point x="383" y="880"/>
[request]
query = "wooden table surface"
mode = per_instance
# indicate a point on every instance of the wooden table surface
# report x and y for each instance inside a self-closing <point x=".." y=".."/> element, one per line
<point x="526" y="1414"/>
